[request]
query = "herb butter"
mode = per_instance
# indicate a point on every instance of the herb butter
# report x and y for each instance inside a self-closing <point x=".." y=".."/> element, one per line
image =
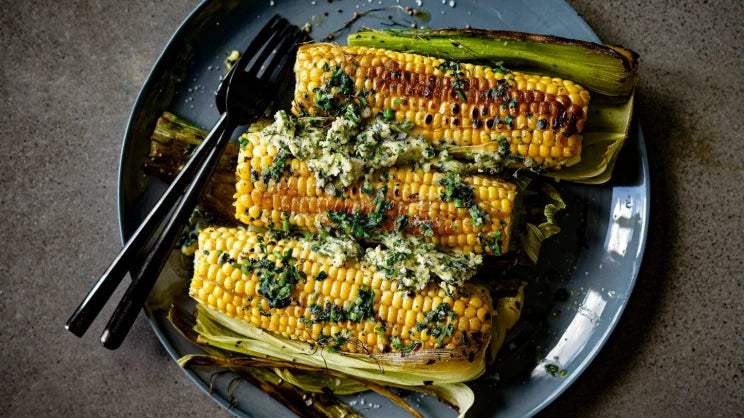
<point x="342" y="150"/>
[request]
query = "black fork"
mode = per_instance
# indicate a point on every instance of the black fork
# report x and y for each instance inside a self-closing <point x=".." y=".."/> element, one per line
<point x="243" y="95"/>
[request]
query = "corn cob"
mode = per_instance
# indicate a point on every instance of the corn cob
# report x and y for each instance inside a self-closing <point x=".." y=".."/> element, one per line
<point x="461" y="104"/>
<point x="395" y="320"/>
<point x="606" y="69"/>
<point x="415" y="194"/>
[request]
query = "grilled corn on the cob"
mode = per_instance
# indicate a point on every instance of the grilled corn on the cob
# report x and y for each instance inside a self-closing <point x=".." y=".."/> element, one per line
<point x="412" y="203"/>
<point x="288" y="288"/>
<point x="463" y="104"/>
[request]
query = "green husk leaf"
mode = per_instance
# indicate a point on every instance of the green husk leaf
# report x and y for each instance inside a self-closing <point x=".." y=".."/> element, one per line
<point x="313" y="382"/>
<point x="221" y="331"/>
<point x="457" y="395"/>
<point x="172" y="142"/>
<point x="610" y="71"/>
<point x="291" y="396"/>
<point x="534" y="235"/>
<point x="323" y="403"/>
<point x="507" y="310"/>
<point x="239" y="362"/>
<point x="319" y="378"/>
<point x="604" y="136"/>
<point x="600" y="68"/>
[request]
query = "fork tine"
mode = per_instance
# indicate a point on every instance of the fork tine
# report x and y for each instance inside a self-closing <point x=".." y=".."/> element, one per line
<point x="271" y="46"/>
<point x="276" y="23"/>
<point x="278" y="61"/>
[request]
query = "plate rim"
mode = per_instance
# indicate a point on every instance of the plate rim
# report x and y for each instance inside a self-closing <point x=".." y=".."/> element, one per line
<point x="225" y="403"/>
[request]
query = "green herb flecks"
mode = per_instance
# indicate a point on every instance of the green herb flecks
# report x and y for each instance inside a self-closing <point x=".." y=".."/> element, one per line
<point x="190" y="235"/>
<point x="396" y="342"/>
<point x="336" y="92"/>
<point x="552" y="369"/>
<point x="359" y="309"/>
<point x="456" y="190"/>
<point x="334" y="343"/>
<point x="401" y="223"/>
<point x="492" y="241"/>
<point x="324" y="100"/>
<point x="277" y="168"/>
<point x="439" y="322"/>
<point x="415" y="263"/>
<point x="389" y="115"/>
<point x="361" y="225"/>
<point x="451" y="68"/>
<point x="331" y="312"/>
<point x="362" y="306"/>
<point x="426" y="229"/>
<point x="342" y="80"/>
<point x="276" y="279"/>
<point x="459" y="86"/>
<point x="478" y="216"/>
<point x="508" y="120"/>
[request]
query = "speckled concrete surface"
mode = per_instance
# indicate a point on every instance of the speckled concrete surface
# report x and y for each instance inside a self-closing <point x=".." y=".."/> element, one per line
<point x="71" y="71"/>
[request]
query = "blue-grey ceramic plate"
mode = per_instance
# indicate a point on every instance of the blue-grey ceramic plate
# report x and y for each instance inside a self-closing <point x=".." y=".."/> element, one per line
<point x="593" y="262"/>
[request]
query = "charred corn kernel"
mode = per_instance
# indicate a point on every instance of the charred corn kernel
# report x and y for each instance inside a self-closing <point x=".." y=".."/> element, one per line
<point x="464" y="105"/>
<point x="276" y="203"/>
<point x="483" y="313"/>
<point x="405" y="316"/>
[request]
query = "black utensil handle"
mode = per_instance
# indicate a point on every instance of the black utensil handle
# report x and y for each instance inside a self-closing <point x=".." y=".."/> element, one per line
<point x="102" y="290"/>
<point x="144" y="280"/>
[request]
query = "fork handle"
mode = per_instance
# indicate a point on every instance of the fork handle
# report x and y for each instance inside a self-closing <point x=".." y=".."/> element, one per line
<point x="145" y="277"/>
<point x="102" y="290"/>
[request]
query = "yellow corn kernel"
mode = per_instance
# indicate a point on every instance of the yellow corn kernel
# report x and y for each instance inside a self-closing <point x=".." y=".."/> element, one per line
<point x="435" y="117"/>
<point x="237" y="296"/>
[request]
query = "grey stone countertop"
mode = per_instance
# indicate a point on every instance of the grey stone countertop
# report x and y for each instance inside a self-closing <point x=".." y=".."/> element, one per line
<point x="71" y="70"/>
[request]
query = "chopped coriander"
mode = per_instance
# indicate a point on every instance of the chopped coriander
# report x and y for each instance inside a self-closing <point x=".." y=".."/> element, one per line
<point x="277" y="168"/>
<point x="276" y="280"/>
<point x="324" y="100"/>
<point x="426" y="228"/>
<point x="362" y="306"/>
<point x="367" y="188"/>
<point x="508" y="120"/>
<point x="552" y="369"/>
<point x="401" y="223"/>
<point x="456" y="190"/>
<point x="389" y="114"/>
<point x="452" y="67"/>
<point x="479" y="216"/>
<point x="396" y="342"/>
<point x="493" y="242"/>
